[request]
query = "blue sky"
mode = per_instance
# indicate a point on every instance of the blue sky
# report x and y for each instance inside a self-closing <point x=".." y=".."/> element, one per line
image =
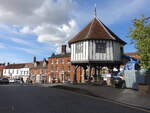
<point x="39" y="27"/>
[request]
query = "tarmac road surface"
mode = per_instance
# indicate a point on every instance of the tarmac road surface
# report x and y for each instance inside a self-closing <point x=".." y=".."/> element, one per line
<point x="35" y="99"/>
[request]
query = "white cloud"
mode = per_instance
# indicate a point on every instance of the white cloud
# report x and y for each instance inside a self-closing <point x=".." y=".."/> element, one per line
<point x="35" y="12"/>
<point x="50" y="20"/>
<point x="56" y="34"/>
<point x="26" y="30"/>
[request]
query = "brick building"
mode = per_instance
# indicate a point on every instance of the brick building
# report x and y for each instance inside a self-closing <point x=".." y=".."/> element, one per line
<point x="38" y="71"/>
<point x="60" y="68"/>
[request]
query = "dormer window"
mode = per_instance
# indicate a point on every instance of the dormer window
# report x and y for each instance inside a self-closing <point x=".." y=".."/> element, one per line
<point x="79" y="47"/>
<point x="44" y="64"/>
<point x="100" y="47"/>
<point x="53" y="61"/>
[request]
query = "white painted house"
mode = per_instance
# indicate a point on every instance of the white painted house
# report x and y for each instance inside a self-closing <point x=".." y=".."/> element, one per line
<point x="96" y="46"/>
<point x="17" y="71"/>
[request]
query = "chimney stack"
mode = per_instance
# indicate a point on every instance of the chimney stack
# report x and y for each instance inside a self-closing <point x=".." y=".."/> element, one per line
<point x="34" y="59"/>
<point x="8" y="64"/>
<point x="63" y="49"/>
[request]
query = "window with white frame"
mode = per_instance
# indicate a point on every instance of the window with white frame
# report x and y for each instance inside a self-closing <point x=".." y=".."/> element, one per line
<point x="17" y="71"/>
<point x="69" y="61"/>
<point x="63" y="61"/>
<point x="12" y="71"/>
<point x="57" y="68"/>
<point x="27" y="72"/>
<point x="5" y="71"/>
<point x="62" y="68"/>
<point x="51" y="68"/>
<point x="57" y="61"/>
<point x="60" y="61"/>
<point x="68" y="68"/>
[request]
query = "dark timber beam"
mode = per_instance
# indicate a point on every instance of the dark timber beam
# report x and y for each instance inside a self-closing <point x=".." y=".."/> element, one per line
<point x="85" y="67"/>
<point x="75" y="74"/>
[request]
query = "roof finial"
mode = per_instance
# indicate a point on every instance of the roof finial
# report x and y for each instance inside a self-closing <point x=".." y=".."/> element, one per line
<point x="95" y="11"/>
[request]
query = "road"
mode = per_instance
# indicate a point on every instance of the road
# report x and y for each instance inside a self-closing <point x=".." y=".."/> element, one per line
<point x="35" y="99"/>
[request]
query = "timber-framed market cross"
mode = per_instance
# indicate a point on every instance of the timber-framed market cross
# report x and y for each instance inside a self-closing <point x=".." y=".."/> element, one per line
<point x="94" y="47"/>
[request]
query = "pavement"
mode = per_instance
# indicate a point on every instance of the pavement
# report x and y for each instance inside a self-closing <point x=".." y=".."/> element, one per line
<point x="38" y="99"/>
<point x="124" y="96"/>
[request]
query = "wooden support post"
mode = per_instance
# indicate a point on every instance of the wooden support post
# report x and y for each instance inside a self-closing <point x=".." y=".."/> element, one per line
<point x="75" y="74"/>
<point x="84" y="67"/>
<point x="89" y="79"/>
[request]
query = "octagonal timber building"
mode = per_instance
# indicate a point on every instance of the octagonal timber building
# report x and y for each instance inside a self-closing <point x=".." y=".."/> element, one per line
<point x="97" y="44"/>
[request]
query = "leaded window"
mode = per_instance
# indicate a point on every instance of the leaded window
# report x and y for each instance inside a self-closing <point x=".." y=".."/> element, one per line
<point x="100" y="47"/>
<point x="79" y="47"/>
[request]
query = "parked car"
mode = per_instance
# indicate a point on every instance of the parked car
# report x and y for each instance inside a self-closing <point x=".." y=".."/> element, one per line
<point x="11" y="80"/>
<point x="118" y="80"/>
<point x="4" y="81"/>
<point x="18" y="81"/>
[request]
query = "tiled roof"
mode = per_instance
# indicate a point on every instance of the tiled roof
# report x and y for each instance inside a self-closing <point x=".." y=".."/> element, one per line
<point x="15" y="66"/>
<point x="29" y="65"/>
<point x="2" y="66"/>
<point x="96" y="30"/>
<point x="40" y="64"/>
<point x="61" y="55"/>
<point x="132" y="53"/>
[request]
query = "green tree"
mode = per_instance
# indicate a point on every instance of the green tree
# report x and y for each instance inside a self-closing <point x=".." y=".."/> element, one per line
<point x="140" y="35"/>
